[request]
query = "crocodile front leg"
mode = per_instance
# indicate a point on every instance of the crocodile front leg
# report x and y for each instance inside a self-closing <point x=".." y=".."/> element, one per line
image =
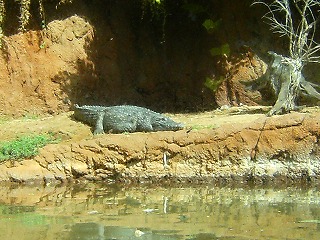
<point x="99" y="124"/>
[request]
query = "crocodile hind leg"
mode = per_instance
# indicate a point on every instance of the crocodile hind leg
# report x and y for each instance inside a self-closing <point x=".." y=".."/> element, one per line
<point x="99" y="124"/>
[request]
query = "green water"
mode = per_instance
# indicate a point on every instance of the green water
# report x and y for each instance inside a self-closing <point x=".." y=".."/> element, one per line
<point x="99" y="212"/>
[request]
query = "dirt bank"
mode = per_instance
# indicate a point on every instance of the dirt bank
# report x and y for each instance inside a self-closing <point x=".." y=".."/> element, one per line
<point x="104" y="53"/>
<point x="229" y="145"/>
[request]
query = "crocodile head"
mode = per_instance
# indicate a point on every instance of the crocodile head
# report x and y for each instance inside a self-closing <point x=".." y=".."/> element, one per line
<point x="162" y="123"/>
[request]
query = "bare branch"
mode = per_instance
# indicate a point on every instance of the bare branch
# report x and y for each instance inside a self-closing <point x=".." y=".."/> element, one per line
<point x="296" y="20"/>
<point x="299" y="29"/>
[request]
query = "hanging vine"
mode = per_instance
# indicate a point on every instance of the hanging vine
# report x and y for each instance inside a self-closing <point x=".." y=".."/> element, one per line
<point x="158" y="11"/>
<point x="24" y="14"/>
<point x="2" y="17"/>
<point x="156" y="7"/>
<point x="42" y="14"/>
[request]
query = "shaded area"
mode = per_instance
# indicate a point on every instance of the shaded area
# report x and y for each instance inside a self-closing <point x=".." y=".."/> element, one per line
<point x="131" y="61"/>
<point x="137" y="58"/>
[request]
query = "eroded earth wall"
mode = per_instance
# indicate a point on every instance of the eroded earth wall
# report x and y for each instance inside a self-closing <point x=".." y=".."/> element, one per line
<point x="116" y="52"/>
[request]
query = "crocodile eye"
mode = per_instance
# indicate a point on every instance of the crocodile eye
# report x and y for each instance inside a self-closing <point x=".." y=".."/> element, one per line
<point x="163" y="119"/>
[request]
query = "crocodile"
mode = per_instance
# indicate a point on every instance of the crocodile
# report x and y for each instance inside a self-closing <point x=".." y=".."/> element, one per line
<point x="124" y="118"/>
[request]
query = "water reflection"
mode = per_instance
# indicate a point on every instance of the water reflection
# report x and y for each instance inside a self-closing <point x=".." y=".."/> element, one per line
<point x="94" y="231"/>
<point x="106" y="212"/>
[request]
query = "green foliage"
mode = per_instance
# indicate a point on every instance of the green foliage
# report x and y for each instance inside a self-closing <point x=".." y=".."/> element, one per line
<point x="211" y="25"/>
<point x="42" y="45"/>
<point x="213" y="84"/>
<point x="224" y="49"/>
<point x="24" y="146"/>
<point x="30" y="116"/>
<point x="199" y="127"/>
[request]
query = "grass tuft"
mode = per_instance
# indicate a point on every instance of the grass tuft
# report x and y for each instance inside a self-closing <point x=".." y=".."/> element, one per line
<point x="199" y="127"/>
<point x="24" y="147"/>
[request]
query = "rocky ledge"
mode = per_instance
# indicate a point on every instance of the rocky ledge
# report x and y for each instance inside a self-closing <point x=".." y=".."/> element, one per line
<point x="267" y="149"/>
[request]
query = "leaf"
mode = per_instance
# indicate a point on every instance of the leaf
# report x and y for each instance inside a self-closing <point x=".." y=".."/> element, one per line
<point x="225" y="49"/>
<point x="222" y="50"/>
<point x="213" y="84"/>
<point x="42" y="45"/>
<point x="211" y="25"/>
<point x="208" y="24"/>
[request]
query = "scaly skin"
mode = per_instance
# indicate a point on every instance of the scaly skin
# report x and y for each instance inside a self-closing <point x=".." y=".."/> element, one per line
<point x="124" y="118"/>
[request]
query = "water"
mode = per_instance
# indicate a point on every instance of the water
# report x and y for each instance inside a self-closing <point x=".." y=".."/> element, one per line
<point x="99" y="212"/>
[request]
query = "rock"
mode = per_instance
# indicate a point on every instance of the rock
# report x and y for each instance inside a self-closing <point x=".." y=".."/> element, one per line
<point x="236" y="89"/>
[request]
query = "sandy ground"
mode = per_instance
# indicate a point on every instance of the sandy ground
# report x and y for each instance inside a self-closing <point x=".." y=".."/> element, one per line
<point x="65" y="127"/>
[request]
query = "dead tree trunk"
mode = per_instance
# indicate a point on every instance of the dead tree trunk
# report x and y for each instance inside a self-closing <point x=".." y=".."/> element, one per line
<point x="297" y="20"/>
<point x="287" y="80"/>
